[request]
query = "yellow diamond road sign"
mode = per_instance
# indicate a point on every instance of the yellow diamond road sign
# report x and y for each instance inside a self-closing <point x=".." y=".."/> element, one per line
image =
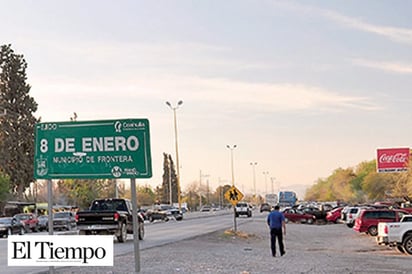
<point x="233" y="195"/>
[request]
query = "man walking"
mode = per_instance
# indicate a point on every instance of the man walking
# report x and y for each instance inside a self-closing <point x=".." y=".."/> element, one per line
<point x="276" y="223"/>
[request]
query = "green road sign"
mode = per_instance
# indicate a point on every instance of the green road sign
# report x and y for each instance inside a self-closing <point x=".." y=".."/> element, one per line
<point x="93" y="149"/>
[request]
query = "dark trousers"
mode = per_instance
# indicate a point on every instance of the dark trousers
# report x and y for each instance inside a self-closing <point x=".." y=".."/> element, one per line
<point x="276" y="233"/>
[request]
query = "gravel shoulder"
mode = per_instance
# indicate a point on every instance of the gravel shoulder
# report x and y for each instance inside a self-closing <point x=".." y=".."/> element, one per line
<point x="331" y="248"/>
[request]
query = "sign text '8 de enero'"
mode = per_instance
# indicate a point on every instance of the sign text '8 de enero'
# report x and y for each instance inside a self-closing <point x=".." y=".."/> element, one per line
<point x="93" y="149"/>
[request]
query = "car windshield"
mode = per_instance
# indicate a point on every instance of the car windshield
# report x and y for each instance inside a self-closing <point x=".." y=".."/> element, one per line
<point x="23" y="217"/>
<point x="165" y="207"/>
<point x="61" y="215"/>
<point x="5" y="220"/>
<point x="108" y="205"/>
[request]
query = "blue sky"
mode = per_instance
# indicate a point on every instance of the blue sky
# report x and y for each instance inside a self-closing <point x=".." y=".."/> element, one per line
<point x="301" y="87"/>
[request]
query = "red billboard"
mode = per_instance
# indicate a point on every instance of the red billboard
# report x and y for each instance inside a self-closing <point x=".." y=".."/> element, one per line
<point x="392" y="159"/>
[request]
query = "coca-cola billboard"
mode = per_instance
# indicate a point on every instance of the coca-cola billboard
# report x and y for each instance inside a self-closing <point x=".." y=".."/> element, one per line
<point x="392" y="159"/>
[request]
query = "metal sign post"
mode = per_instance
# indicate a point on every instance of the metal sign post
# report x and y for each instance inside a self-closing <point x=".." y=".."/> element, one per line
<point x="135" y="226"/>
<point x="50" y="213"/>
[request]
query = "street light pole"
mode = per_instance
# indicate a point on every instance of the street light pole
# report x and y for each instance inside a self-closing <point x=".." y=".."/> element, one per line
<point x="177" y="149"/>
<point x="253" y="164"/>
<point x="266" y="173"/>
<point x="272" y="179"/>
<point x="231" y="162"/>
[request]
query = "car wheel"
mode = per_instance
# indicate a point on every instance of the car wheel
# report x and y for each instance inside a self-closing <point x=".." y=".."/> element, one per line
<point x="310" y="221"/>
<point x="123" y="233"/>
<point x="151" y="219"/>
<point x="166" y="219"/>
<point x="407" y="245"/>
<point x="9" y="232"/>
<point x="22" y="231"/>
<point x="400" y="249"/>
<point x="350" y="225"/>
<point x="373" y="231"/>
<point x="141" y="231"/>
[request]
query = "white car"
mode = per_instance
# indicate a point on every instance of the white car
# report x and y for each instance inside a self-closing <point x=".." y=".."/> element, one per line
<point x="352" y="214"/>
<point x="243" y="209"/>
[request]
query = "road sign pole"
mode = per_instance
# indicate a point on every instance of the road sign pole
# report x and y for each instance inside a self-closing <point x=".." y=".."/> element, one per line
<point x="135" y="226"/>
<point x="234" y="219"/>
<point x="50" y="213"/>
<point x="233" y="195"/>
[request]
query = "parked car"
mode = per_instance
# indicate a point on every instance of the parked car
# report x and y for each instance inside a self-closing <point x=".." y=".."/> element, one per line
<point x="265" y="207"/>
<point x="334" y="215"/>
<point x="10" y="226"/>
<point x="64" y="220"/>
<point x="43" y="222"/>
<point x="369" y="218"/>
<point x="29" y="221"/>
<point x="243" y="209"/>
<point x="344" y="212"/>
<point x="396" y="234"/>
<point x="352" y="215"/>
<point x="294" y="215"/>
<point x="319" y="214"/>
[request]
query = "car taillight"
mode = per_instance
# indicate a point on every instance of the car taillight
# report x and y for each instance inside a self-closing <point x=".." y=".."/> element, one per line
<point x="116" y="216"/>
<point x="76" y="218"/>
<point x="350" y="216"/>
<point x="385" y="230"/>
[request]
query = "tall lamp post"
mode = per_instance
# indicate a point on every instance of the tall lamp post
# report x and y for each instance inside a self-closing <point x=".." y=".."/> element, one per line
<point x="253" y="164"/>
<point x="272" y="179"/>
<point x="266" y="173"/>
<point x="231" y="162"/>
<point x="174" y="108"/>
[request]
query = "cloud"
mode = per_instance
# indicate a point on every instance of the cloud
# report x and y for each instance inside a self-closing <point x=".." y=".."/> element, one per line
<point x="399" y="35"/>
<point x="386" y="66"/>
<point x="220" y="93"/>
<point x="271" y="97"/>
<point x="145" y="72"/>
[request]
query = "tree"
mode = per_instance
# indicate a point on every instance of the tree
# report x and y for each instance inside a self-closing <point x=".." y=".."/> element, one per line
<point x="4" y="188"/>
<point x="81" y="192"/>
<point x="169" y="179"/>
<point x="17" y="125"/>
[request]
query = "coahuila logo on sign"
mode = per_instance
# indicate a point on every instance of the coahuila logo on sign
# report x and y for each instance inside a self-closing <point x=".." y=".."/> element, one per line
<point x="392" y="159"/>
<point x="61" y="250"/>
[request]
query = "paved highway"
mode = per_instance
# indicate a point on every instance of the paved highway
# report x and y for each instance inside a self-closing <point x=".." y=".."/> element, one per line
<point x="157" y="234"/>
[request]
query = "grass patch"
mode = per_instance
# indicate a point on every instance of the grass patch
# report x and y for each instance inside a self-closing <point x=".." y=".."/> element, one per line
<point x="237" y="234"/>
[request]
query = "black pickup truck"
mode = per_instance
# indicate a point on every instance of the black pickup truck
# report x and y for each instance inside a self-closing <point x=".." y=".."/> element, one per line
<point x="109" y="217"/>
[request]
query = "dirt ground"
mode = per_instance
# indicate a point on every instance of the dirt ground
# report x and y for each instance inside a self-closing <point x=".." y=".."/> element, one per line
<point x="330" y="248"/>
